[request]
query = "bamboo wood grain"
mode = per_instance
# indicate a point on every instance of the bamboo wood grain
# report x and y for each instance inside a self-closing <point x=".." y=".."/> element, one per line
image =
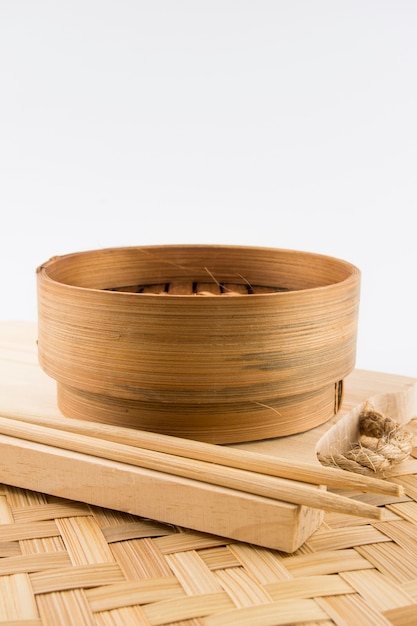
<point x="241" y="480"/>
<point x="213" y="368"/>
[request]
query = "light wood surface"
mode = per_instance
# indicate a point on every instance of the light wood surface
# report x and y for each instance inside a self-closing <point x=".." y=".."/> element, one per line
<point x="26" y="391"/>
<point x="241" y="480"/>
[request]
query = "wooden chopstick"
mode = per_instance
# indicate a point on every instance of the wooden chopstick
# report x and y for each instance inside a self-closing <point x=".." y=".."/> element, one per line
<point x="221" y="455"/>
<point x="238" y="479"/>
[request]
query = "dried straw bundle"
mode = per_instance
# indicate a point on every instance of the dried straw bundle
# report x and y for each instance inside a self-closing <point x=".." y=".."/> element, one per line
<point x="382" y="444"/>
<point x="145" y="337"/>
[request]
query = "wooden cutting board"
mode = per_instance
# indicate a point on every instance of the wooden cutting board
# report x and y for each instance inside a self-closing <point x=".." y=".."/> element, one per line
<point x="25" y="390"/>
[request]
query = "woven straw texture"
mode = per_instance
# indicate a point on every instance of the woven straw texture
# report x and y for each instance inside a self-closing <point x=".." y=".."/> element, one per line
<point x="70" y="563"/>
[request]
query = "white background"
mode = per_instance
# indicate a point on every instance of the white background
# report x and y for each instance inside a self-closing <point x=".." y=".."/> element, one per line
<point x="288" y="124"/>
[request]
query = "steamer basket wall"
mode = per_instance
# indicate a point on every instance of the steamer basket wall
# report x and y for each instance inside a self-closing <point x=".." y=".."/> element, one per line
<point x="216" y="343"/>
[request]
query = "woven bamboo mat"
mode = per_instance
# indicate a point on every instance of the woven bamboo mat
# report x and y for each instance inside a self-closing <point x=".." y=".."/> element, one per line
<point x="69" y="563"/>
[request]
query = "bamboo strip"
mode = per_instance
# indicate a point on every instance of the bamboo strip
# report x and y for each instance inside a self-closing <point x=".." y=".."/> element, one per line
<point x="83" y="576"/>
<point x="326" y="562"/>
<point x="33" y="563"/>
<point x="42" y="545"/>
<point x="24" y="530"/>
<point x="9" y="548"/>
<point x="272" y="614"/>
<point x="241" y="480"/>
<point x="44" y="512"/>
<point x="134" y="592"/>
<point x="341" y="538"/>
<point x="134" y="530"/>
<point x="220" y="455"/>
<point x="12" y="587"/>
<point x="181" y="542"/>
<point x="309" y="587"/>
<point x="168" y="611"/>
<point x="219" y="558"/>
<point x="127" y="616"/>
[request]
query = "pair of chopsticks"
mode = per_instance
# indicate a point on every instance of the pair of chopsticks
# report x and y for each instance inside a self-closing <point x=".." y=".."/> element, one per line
<point x="236" y="469"/>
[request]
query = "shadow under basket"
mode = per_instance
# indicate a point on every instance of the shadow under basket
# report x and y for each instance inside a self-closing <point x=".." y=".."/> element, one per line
<point x="215" y="343"/>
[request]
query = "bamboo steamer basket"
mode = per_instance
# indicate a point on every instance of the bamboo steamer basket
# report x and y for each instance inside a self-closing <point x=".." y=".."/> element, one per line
<point x="216" y="343"/>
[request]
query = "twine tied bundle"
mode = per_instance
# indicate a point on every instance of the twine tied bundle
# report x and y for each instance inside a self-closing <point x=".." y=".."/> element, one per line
<point x="382" y="444"/>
